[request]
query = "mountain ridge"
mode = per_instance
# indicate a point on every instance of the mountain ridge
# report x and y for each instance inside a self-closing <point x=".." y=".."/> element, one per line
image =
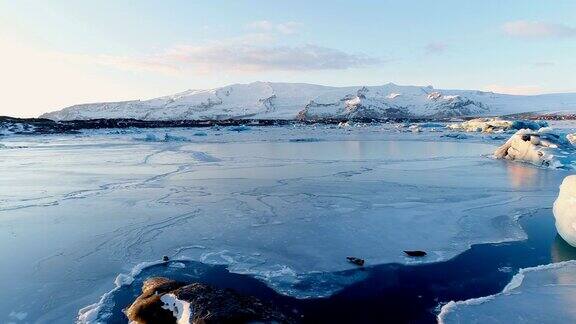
<point x="304" y="101"/>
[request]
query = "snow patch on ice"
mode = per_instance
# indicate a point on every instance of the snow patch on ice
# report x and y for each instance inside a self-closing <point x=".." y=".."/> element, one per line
<point x="181" y="310"/>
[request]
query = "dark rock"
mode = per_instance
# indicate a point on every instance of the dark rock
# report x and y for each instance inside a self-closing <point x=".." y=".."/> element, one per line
<point x="355" y="260"/>
<point x="209" y="305"/>
<point x="525" y="137"/>
<point x="165" y="258"/>
<point x="415" y="253"/>
<point x="147" y="308"/>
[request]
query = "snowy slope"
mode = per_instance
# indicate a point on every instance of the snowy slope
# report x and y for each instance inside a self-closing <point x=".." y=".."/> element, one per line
<point x="268" y="100"/>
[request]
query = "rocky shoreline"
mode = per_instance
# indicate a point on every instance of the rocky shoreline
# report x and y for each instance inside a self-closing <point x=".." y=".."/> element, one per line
<point x="35" y="126"/>
<point x="168" y="301"/>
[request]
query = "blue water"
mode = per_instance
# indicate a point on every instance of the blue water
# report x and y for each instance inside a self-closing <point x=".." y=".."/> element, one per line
<point x="392" y="292"/>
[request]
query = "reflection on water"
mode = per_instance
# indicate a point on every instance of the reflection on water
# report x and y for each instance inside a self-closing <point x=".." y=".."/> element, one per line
<point x="521" y="176"/>
<point x="565" y="278"/>
<point x="562" y="251"/>
<point x="350" y="150"/>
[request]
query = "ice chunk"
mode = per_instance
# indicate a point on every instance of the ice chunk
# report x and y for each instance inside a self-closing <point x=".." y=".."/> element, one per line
<point x="542" y="294"/>
<point x="415" y="128"/>
<point x="151" y="137"/>
<point x="239" y="128"/>
<point x="496" y="125"/>
<point x="571" y="138"/>
<point x="529" y="124"/>
<point x="456" y="136"/>
<point x="431" y="125"/>
<point x="565" y="210"/>
<point x="542" y="148"/>
<point x="484" y="125"/>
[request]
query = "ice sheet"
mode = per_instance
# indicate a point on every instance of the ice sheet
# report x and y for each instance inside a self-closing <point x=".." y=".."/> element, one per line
<point x="543" y="294"/>
<point x="76" y="211"/>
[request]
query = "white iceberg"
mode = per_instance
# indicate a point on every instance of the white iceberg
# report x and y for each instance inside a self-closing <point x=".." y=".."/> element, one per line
<point x="495" y="125"/>
<point x="542" y="148"/>
<point x="484" y="125"/>
<point x="565" y="210"/>
<point x="571" y="138"/>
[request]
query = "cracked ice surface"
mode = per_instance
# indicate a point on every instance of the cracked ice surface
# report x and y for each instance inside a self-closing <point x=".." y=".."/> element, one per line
<point x="283" y="204"/>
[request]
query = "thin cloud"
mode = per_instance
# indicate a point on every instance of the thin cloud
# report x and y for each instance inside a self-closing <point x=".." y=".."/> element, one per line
<point x="254" y="58"/>
<point x="543" y="64"/>
<point x="286" y="28"/>
<point x="537" y="30"/>
<point x="435" y="47"/>
<point x="234" y="57"/>
<point x="515" y="90"/>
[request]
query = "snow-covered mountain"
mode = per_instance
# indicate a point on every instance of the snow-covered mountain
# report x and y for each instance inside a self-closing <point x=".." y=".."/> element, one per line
<point x="269" y="100"/>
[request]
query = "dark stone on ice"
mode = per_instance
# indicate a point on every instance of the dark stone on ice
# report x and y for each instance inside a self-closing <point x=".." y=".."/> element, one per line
<point x="526" y="137"/>
<point x="209" y="305"/>
<point x="415" y="253"/>
<point x="165" y="258"/>
<point x="355" y="260"/>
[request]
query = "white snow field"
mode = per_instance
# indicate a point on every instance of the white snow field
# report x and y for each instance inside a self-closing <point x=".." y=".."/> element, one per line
<point x="273" y="100"/>
<point x="542" y="294"/>
<point x="283" y="204"/>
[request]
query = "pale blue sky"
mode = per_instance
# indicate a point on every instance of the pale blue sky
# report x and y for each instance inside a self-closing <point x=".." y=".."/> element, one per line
<point x="57" y="53"/>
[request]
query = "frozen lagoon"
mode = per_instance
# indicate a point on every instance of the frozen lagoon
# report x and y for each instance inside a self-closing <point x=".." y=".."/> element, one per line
<point x="283" y="204"/>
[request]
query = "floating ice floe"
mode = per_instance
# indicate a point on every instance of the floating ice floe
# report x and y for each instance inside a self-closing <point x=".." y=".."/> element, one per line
<point x="542" y="294"/>
<point x="415" y="128"/>
<point x="565" y="210"/>
<point x="456" y="135"/>
<point x="571" y="138"/>
<point x="304" y="140"/>
<point x="150" y="137"/>
<point x="239" y="128"/>
<point x="496" y="125"/>
<point x="542" y="148"/>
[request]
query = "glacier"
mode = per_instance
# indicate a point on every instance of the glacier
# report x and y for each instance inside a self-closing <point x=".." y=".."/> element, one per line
<point x="284" y="204"/>
<point x="273" y="100"/>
